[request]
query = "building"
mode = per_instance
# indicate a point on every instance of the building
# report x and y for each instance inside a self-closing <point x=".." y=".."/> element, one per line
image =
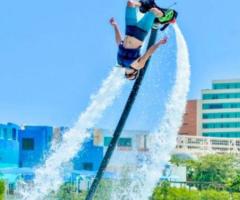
<point x="9" y="145"/>
<point x="130" y="147"/>
<point x="195" y="146"/>
<point x="189" y="125"/>
<point x="35" y="142"/>
<point x="130" y="151"/>
<point x="219" y="114"/>
<point x="89" y="157"/>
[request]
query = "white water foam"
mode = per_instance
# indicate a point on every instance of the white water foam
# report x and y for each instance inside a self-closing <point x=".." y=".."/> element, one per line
<point x="162" y="141"/>
<point x="49" y="177"/>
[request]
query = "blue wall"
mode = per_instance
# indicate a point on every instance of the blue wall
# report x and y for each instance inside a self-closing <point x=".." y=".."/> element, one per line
<point x="34" y="142"/>
<point x="27" y="146"/>
<point x="9" y="146"/>
<point x="89" y="158"/>
<point x="9" y="153"/>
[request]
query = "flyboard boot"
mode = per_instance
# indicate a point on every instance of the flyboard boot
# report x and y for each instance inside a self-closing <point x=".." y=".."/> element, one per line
<point x="169" y="15"/>
<point x="168" y="18"/>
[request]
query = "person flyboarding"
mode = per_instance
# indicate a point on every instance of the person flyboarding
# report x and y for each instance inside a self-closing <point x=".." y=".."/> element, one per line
<point x="130" y="58"/>
<point x="129" y="48"/>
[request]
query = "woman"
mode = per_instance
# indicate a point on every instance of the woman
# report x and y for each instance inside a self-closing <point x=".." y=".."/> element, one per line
<point x="129" y="55"/>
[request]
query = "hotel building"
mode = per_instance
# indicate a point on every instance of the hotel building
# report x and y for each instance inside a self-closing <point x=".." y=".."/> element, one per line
<point x="219" y="110"/>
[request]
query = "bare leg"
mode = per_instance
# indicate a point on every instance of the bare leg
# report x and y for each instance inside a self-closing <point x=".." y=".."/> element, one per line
<point x="157" y="12"/>
<point x="133" y="3"/>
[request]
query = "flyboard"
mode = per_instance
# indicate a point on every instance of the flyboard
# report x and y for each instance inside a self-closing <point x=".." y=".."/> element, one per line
<point x="124" y="116"/>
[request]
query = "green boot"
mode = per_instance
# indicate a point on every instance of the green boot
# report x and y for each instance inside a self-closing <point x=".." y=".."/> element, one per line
<point x="169" y="16"/>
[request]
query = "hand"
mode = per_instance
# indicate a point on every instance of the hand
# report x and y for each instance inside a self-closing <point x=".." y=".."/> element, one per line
<point x="113" y="22"/>
<point x="163" y="41"/>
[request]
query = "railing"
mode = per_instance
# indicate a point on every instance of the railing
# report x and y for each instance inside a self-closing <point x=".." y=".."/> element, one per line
<point x="197" y="145"/>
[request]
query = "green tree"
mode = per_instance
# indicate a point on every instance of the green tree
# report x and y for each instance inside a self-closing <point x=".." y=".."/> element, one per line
<point x="2" y="189"/>
<point x="66" y="192"/>
<point x="235" y="196"/>
<point x="162" y="191"/>
<point x="233" y="184"/>
<point x="165" y="192"/>
<point x="104" y="190"/>
<point x="215" y="169"/>
<point x="180" y="160"/>
<point x="214" y="195"/>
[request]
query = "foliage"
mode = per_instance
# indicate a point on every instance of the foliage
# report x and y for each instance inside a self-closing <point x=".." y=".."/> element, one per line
<point x="214" y="168"/>
<point x="2" y="189"/>
<point x="65" y="192"/>
<point x="233" y="184"/>
<point x="179" y="160"/>
<point x="166" y="192"/>
<point x="214" y="195"/>
<point x="162" y="192"/>
<point x="236" y="196"/>
<point x="80" y="196"/>
<point x="68" y="192"/>
<point x="104" y="190"/>
<point x="218" y="170"/>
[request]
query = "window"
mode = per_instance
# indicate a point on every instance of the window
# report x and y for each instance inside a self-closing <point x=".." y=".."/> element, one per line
<point x="5" y="136"/>
<point x="221" y="115"/>
<point x="212" y="106"/>
<point x="122" y="142"/>
<point x="220" y="86"/>
<point x="221" y="125"/>
<point x="220" y="106"/>
<point x="223" y="134"/>
<point x="107" y="141"/>
<point x="221" y="96"/>
<point x="28" y="144"/>
<point x="88" y="166"/>
<point x="14" y="134"/>
<point x="125" y="142"/>
<point x="1" y="134"/>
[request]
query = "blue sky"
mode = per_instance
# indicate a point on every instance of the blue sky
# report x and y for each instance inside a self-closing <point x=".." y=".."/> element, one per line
<point x="54" y="55"/>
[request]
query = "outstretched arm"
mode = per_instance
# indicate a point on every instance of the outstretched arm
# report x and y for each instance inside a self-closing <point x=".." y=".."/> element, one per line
<point x="140" y="63"/>
<point x="118" y="36"/>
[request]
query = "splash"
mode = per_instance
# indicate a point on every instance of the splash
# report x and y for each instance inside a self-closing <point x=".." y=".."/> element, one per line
<point x="49" y="176"/>
<point x="162" y="141"/>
